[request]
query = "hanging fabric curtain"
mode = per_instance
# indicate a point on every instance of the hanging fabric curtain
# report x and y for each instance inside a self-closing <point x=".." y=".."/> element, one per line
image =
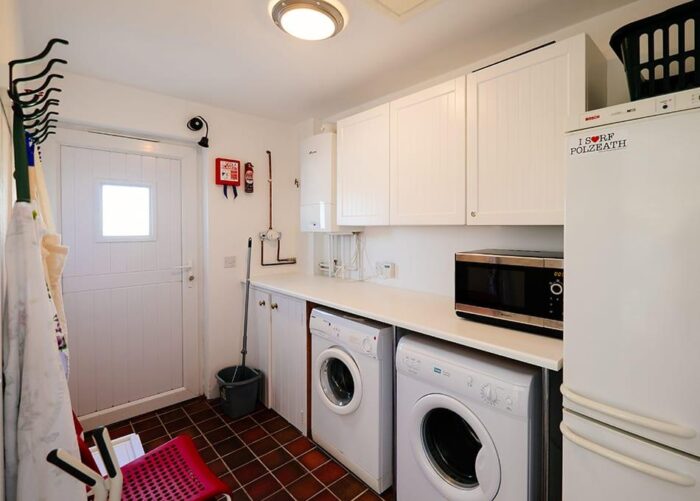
<point x="37" y="408"/>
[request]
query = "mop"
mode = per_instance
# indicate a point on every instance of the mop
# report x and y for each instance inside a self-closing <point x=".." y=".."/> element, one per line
<point x="244" y="350"/>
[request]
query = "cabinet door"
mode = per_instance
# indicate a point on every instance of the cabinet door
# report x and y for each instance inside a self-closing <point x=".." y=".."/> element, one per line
<point x="259" y="338"/>
<point x="428" y="156"/>
<point x="289" y="359"/>
<point x="517" y="117"/>
<point x="363" y="168"/>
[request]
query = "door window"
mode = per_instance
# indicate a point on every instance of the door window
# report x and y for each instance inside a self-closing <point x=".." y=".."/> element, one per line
<point x="339" y="385"/>
<point x="126" y="212"/>
<point x="452" y="446"/>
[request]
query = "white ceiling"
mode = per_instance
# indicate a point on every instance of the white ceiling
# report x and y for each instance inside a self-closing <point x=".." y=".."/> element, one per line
<point x="228" y="53"/>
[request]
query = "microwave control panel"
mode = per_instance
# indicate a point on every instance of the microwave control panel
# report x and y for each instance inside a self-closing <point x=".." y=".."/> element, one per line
<point x="555" y="296"/>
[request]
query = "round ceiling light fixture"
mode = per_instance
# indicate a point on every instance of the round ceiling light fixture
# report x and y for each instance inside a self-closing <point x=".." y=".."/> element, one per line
<point x="308" y="19"/>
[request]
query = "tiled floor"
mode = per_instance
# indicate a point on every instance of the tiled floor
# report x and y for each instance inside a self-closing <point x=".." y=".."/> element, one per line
<point x="258" y="456"/>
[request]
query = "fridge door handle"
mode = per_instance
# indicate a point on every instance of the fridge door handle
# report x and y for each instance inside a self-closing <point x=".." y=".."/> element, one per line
<point x="646" y="422"/>
<point x="624" y="460"/>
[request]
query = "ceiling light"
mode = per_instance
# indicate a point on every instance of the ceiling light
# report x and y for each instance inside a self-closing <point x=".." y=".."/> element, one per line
<point x="308" y="19"/>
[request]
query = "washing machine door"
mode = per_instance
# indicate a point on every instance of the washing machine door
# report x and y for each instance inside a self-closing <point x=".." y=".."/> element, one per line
<point x="337" y="380"/>
<point x="454" y="449"/>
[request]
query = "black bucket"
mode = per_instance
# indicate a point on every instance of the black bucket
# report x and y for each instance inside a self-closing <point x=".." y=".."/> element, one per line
<point x="239" y="397"/>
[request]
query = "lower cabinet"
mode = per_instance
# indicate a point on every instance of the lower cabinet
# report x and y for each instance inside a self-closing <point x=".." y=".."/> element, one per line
<point x="277" y="331"/>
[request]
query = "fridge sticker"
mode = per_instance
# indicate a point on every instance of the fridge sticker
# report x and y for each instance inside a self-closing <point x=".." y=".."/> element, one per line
<point x="597" y="143"/>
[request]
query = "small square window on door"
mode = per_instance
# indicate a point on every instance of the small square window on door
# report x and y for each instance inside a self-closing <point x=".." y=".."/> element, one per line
<point x="126" y="211"/>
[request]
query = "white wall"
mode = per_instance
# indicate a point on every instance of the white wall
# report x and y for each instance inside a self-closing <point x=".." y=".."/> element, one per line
<point x="227" y="222"/>
<point x="424" y="255"/>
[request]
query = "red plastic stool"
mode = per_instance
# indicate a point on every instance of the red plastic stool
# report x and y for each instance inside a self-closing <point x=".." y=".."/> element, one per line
<point x="173" y="471"/>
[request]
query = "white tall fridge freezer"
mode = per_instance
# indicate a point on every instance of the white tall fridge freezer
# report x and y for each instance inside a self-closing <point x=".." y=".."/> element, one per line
<point x="631" y="425"/>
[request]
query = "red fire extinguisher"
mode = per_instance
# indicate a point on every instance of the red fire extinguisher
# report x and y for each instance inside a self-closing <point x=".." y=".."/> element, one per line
<point x="248" y="176"/>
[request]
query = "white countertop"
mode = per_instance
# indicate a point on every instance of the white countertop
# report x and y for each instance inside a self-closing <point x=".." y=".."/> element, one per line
<point x="428" y="314"/>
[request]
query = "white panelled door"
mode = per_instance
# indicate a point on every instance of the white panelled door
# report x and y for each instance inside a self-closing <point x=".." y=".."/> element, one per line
<point x="128" y="214"/>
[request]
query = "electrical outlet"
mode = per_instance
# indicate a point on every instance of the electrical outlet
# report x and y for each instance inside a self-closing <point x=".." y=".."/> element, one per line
<point x="230" y="262"/>
<point x="386" y="270"/>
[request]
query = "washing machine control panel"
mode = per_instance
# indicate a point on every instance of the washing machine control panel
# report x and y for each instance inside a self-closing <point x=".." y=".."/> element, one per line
<point x="470" y="384"/>
<point x="346" y="335"/>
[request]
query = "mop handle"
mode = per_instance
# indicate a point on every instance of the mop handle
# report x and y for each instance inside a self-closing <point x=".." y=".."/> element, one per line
<point x="244" y="351"/>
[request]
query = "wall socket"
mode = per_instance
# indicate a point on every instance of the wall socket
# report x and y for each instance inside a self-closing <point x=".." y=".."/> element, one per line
<point x="386" y="270"/>
<point x="229" y="261"/>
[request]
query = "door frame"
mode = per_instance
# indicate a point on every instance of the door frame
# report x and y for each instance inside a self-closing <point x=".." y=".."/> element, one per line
<point x="191" y="217"/>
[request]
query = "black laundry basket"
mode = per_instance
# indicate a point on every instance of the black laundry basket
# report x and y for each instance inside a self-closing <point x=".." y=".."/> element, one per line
<point x="239" y="397"/>
<point x="660" y="52"/>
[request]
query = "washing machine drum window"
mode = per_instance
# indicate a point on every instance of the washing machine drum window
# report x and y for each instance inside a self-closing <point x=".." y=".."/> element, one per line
<point x="338" y="380"/>
<point x="454" y="449"/>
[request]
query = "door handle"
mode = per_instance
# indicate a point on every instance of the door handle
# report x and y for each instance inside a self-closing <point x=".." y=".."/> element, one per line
<point x="187" y="267"/>
<point x="624" y="460"/>
<point x="261" y="303"/>
<point x="636" y="419"/>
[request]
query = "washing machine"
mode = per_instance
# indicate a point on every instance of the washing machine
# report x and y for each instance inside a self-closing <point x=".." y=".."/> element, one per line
<point x="468" y="424"/>
<point x="351" y="396"/>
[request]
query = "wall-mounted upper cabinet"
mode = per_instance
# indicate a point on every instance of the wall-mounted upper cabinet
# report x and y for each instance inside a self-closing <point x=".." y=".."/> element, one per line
<point x="363" y="168"/>
<point x="427" y="158"/>
<point x="517" y="115"/>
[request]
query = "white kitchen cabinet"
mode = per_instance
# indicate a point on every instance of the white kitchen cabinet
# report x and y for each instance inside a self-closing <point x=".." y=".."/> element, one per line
<point x="427" y="156"/>
<point x="517" y="116"/>
<point x="259" y="347"/>
<point x="288" y="359"/>
<point x="363" y="168"/>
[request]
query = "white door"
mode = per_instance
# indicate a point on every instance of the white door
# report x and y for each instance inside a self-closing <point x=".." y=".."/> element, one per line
<point x="128" y="214"/>
<point x="259" y="338"/>
<point x="288" y="363"/>
<point x="428" y="156"/>
<point x="600" y="462"/>
<point x="517" y="117"/>
<point x="363" y="168"/>
<point x="631" y="316"/>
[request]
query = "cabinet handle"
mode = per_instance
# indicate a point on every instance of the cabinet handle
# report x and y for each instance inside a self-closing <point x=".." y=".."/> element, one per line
<point x="473" y="213"/>
<point x="273" y="306"/>
<point x="261" y="303"/>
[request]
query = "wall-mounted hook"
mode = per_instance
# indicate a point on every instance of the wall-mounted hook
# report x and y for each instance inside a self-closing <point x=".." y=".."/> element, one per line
<point x="296" y="182"/>
<point x="40" y="139"/>
<point x="31" y="78"/>
<point x="40" y="112"/>
<point x="37" y="99"/>
<point x="39" y="132"/>
<point x="39" y="123"/>
<point x="43" y="86"/>
<point x="32" y="59"/>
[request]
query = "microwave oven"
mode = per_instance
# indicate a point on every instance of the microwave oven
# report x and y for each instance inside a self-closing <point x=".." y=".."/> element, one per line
<point x="518" y="289"/>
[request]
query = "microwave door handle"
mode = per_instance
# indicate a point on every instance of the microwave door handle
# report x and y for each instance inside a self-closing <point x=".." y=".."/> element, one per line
<point x="629" y="462"/>
<point x="643" y="421"/>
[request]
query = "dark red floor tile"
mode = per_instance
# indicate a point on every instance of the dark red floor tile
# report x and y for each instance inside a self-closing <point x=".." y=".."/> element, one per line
<point x="240" y="495"/>
<point x="275" y="424"/>
<point x="324" y="495"/>
<point x="143" y="417"/>
<point x="264" y="415"/>
<point x="177" y="424"/>
<point x="208" y="454"/>
<point x="249" y="472"/>
<point x="368" y="495"/>
<point x="299" y="446"/>
<point x="228" y="446"/>
<point x="347" y="488"/>
<point x="152" y="434"/>
<point x="219" y="434"/>
<point x="276" y="458"/>
<point x="304" y="488"/>
<point x="289" y="472"/>
<point x="231" y="481"/>
<point x="172" y="415"/>
<point x="330" y="472"/>
<point x="263" y="446"/>
<point x="149" y="446"/>
<point x="253" y="434"/>
<point x="242" y="424"/>
<point x="146" y="424"/>
<point x="196" y="406"/>
<point x="218" y="467"/>
<point x="200" y="442"/>
<point x="238" y="458"/>
<point x="262" y="487"/>
<point x="202" y="415"/>
<point x="313" y="459"/>
<point x="287" y="435"/>
<point x="210" y="424"/>
<point x="120" y="431"/>
<point x="280" y="496"/>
